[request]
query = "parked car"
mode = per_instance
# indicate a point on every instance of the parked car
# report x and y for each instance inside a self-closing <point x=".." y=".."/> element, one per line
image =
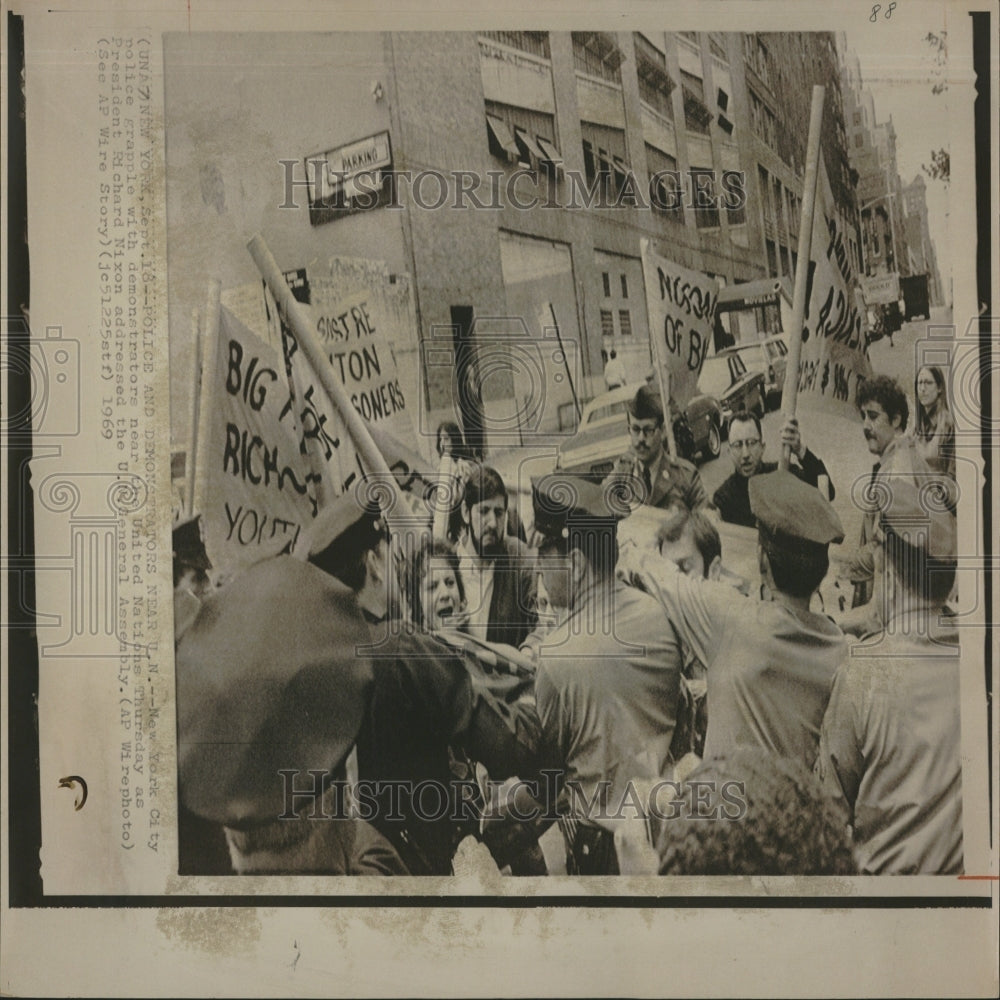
<point x="725" y="377"/>
<point x="603" y="432"/>
<point x="769" y="357"/>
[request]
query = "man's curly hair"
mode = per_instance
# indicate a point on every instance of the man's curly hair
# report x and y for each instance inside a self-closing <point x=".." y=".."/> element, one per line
<point x="788" y="827"/>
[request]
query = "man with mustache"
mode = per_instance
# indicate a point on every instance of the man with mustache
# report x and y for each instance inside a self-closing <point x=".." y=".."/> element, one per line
<point x="884" y="413"/>
<point x="648" y="471"/>
<point x="746" y="445"/>
<point x="496" y="568"/>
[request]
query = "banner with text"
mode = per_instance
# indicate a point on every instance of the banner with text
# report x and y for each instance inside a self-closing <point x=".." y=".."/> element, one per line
<point x="681" y="306"/>
<point x="259" y="490"/>
<point x="834" y="357"/>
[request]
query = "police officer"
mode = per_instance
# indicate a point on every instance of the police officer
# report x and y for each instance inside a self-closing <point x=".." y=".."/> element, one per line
<point x="770" y="661"/>
<point x="271" y="693"/>
<point x="608" y="677"/>
<point x="890" y="752"/>
<point x="648" y="471"/>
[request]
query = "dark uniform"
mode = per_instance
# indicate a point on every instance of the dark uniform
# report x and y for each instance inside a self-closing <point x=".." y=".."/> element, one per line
<point x="269" y="681"/>
<point x="431" y="708"/>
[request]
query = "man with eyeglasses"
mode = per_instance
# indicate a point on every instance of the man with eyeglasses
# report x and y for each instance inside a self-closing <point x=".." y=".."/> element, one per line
<point x="648" y="472"/>
<point x="746" y="445"/>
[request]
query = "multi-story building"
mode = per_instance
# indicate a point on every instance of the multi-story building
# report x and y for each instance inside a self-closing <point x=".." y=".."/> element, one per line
<point x="518" y="172"/>
<point x="919" y="246"/>
<point x="871" y="147"/>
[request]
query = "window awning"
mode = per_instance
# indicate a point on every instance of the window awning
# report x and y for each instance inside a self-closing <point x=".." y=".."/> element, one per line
<point x="656" y="76"/>
<point x="501" y="141"/>
<point x="551" y="155"/>
<point x="526" y="144"/>
<point x="763" y="291"/>
<point x="694" y="106"/>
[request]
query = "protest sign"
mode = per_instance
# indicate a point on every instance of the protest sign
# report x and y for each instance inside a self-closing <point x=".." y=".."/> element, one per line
<point x="259" y="489"/>
<point x="834" y="358"/>
<point x="681" y="306"/>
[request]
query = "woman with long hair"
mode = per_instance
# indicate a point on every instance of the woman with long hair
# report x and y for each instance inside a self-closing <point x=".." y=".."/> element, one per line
<point x="451" y="442"/>
<point x="934" y="432"/>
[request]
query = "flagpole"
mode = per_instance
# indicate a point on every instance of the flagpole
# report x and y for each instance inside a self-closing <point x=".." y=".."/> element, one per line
<point x="206" y="396"/>
<point x="790" y="392"/>
<point x="191" y="446"/>
<point x="372" y="459"/>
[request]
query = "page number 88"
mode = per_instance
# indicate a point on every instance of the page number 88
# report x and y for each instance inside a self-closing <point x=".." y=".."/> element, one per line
<point x="888" y="11"/>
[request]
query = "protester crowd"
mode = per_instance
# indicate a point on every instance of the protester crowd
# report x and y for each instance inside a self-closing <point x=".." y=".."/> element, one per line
<point x="595" y="691"/>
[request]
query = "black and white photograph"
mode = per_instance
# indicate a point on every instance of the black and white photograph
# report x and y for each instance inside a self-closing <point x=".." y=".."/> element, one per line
<point x="519" y="254"/>
<point x="575" y="444"/>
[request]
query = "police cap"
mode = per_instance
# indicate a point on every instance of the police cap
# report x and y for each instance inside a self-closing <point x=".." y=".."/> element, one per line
<point x="350" y="521"/>
<point x="918" y="511"/>
<point x="563" y="502"/>
<point x="189" y="544"/>
<point x="787" y="507"/>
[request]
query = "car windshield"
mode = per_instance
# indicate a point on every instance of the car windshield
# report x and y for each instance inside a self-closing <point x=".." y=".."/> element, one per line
<point x="715" y="377"/>
<point x="751" y="355"/>
<point x="603" y="412"/>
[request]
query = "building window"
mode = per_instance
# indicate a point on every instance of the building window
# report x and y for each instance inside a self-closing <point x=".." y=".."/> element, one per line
<point x="595" y="53"/>
<point x="625" y="322"/>
<point x="762" y="120"/>
<point x="716" y="44"/>
<point x="606" y="278"/>
<point x="624" y="286"/>
<point x="607" y="323"/>
<point x="523" y="136"/>
<point x="697" y="117"/>
<point x="535" y="43"/>
<point x="776" y="206"/>
<point x="736" y="208"/>
<point x="772" y="258"/>
<point x="755" y="54"/>
<point x="859" y="140"/>
<point x="604" y="160"/>
<point x="665" y="190"/>
<point x="706" y="205"/>
<point x="857" y="117"/>
<point x="655" y="84"/>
